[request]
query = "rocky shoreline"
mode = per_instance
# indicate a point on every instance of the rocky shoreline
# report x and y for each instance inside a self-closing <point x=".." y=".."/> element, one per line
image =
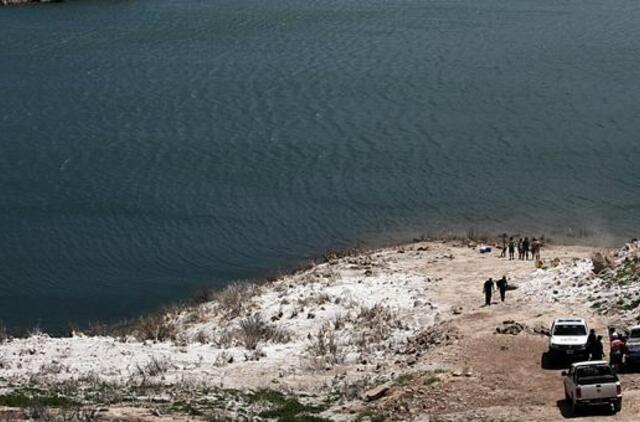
<point x="395" y="332"/>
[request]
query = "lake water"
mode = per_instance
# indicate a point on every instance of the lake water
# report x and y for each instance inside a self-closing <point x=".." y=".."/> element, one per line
<point x="152" y="147"/>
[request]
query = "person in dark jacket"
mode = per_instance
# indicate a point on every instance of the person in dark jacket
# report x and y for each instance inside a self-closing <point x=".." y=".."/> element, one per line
<point x="512" y="248"/>
<point x="525" y="248"/>
<point x="597" y="349"/>
<point x="591" y="340"/>
<point x="488" y="290"/>
<point x="502" y="287"/>
<point x="520" y="249"/>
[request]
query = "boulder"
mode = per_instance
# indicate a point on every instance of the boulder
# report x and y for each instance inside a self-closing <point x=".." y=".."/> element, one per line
<point x="377" y="392"/>
<point x="602" y="262"/>
<point x="510" y="327"/>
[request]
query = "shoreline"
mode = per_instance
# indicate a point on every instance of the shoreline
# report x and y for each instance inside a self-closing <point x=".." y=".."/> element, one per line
<point x="117" y="327"/>
<point x="327" y="336"/>
<point x="125" y="324"/>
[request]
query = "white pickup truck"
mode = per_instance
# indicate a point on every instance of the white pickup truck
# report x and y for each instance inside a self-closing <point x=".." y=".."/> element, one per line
<point x="592" y="383"/>
<point x="568" y="338"/>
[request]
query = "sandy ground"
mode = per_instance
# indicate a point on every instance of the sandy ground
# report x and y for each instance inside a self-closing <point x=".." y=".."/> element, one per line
<point x="477" y="375"/>
<point x="509" y="376"/>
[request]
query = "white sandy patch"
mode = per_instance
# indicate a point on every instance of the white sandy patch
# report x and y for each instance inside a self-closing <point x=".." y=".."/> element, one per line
<point x="301" y="305"/>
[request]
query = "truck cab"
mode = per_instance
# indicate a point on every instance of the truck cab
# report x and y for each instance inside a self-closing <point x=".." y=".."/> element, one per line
<point x="568" y="338"/>
<point x="592" y="383"/>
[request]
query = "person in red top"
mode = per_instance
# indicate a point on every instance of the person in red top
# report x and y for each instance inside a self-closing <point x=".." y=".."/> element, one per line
<point x="617" y="348"/>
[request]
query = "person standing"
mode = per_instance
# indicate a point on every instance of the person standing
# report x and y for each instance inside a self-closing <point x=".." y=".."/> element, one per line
<point x="520" y="250"/>
<point x="504" y="246"/>
<point x="591" y="341"/>
<point x="525" y="248"/>
<point x="502" y="287"/>
<point x="512" y="248"/>
<point x="616" y="351"/>
<point x="537" y="253"/>
<point x="597" y="349"/>
<point x="488" y="290"/>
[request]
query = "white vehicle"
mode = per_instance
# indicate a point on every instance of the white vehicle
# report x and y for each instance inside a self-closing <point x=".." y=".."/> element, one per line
<point x="568" y="338"/>
<point x="592" y="383"/>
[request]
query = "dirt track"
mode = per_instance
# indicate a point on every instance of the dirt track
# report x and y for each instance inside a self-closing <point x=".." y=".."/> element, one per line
<point x="499" y="377"/>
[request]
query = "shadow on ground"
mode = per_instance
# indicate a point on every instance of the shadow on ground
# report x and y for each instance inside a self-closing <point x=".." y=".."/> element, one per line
<point x="548" y="362"/>
<point x="567" y="412"/>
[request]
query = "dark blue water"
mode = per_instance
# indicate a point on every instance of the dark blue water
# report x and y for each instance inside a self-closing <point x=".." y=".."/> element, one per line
<point x="151" y="147"/>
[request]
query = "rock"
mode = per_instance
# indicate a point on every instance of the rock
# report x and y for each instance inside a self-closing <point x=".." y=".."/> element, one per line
<point x="541" y="330"/>
<point x="457" y="310"/>
<point x="602" y="262"/>
<point x="457" y="373"/>
<point x="439" y="334"/>
<point x="510" y="327"/>
<point x="377" y="392"/>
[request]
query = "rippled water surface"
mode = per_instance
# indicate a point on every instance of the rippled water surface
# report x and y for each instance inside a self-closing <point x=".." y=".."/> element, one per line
<point x="151" y="147"/>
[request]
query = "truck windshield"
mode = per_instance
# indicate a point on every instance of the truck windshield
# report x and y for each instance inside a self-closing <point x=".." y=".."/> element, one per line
<point x="635" y="333"/>
<point x="595" y="374"/>
<point x="570" y="330"/>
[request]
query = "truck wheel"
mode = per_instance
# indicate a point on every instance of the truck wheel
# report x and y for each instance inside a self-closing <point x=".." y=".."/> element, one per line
<point x="575" y="407"/>
<point x="617" y="406"/>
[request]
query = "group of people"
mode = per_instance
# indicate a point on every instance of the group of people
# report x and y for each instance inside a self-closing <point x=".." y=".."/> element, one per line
<point x="595" y="349"/>
<point x="617" y="347"/>
<point x="526" y="248"/>
<point x="488" y="288"/>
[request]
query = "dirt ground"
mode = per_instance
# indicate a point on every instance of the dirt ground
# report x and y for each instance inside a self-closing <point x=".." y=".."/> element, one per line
<point x="500" y="376"/>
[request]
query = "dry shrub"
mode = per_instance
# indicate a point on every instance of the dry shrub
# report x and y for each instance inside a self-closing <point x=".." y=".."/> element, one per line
<point x="235" y="298"/>
<point x="202" y="337"/>
<point x="339" y="322"/>
<point x="35" y="331"/>
<point x="154" y="367"/>
<point x="196" y="315"/>
<point x="376" y="324"/>
<point x="224" y="340"/>
<point x="97" y="328"/>
<point x="203" y="296"/>
<point x="314" y="299"/>
<point x="52" y="368"/>
<point x="4" y="334"/>
<point x="4" y="363"/>
<point x="223" y="359"/>
<point x="254" y="329"/>
<point x="376" y="315"/>
<point x="325" y="346"/>
<point x="156" y="327"/>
